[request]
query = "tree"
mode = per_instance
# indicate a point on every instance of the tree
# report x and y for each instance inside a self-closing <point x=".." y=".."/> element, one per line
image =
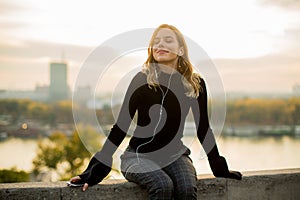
<point x="63" y="111"/>
<point x="64" y="154"/>
<point x="13" y="175"/>
<point x="14" y="107"/>
<point x="50" y="152"/>
<point x="295" y="112"/>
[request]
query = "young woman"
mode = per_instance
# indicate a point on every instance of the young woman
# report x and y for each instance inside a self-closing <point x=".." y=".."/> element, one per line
<point x="162" y="95"/>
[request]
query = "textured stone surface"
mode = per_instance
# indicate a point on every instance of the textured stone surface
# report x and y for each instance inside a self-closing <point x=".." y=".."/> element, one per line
<point x="272" y="184"/>
<point x="108" y="190"/>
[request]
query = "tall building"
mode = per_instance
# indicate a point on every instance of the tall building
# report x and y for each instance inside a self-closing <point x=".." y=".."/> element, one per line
<point x="58" y="89"/>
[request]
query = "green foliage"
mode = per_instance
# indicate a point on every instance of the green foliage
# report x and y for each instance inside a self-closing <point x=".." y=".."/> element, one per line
<point x="63" y="111"/>
<point x="263" y="111"/>
<point x="50" y="113"/>
<point x="13" y="175"/>
<point x="66" y="154"/>
<point x="13" y="107"/>
<point x="60" y="112"/>
<point x="92" y="139"/>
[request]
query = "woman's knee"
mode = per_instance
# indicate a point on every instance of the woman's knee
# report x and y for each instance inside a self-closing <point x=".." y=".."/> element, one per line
<point x="162" y="188"/>
<point x="187" y="191"/>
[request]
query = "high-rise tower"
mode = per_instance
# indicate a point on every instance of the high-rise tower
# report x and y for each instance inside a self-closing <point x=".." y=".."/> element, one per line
<point x="58" y="89"/>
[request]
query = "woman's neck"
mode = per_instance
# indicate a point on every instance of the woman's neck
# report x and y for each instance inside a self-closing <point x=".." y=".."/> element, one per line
<point x="167" y="68"/>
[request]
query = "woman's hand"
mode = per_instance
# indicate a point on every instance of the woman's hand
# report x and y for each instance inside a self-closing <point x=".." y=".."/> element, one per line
<point x="94" y="173"/>
<point x="77" y="179"/>
<point x="219" y="168"/>
<point x="234" y="175"/>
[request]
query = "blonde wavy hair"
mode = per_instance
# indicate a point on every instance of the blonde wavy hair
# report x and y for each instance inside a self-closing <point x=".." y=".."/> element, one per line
<point x="190" y="80"/>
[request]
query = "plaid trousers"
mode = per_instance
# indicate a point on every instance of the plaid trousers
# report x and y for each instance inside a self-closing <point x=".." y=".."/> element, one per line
<point x="174" y="181"/>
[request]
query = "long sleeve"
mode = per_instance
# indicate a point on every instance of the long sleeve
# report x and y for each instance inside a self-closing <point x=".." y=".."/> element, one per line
<point x="100" y="164"/>
<point x="205" y="135"/>
<point x="204" y="132"/>
<point x="126" y="114"/>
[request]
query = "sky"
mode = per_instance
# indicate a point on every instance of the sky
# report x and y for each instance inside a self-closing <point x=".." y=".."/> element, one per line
<point x="254" y="44"/>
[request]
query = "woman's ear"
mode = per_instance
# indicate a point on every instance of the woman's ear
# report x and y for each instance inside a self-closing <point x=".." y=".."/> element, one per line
<point x="181" y="51"/>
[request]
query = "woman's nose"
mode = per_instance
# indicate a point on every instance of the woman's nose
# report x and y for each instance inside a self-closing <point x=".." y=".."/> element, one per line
<point x="160" y="44"/>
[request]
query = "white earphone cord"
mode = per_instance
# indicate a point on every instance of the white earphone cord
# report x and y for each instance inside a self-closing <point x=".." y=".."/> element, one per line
<point x="159" y="119"/>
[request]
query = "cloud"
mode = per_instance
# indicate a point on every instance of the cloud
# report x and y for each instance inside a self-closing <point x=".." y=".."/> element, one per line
<point x="286" y="4"/>
<point x="12" y="18"/>
<point x="7" y="7"/>
<point x="11" y="26"/>
<point x="292" y="37"/>
<point x="26" y="64"/>
<point x="25" y="57"/>
<point x="271" y="73"/>
<point x="37" y="49"/>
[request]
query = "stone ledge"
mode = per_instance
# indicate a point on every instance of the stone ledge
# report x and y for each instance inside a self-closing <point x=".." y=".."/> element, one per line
<point x="271" y="184"/>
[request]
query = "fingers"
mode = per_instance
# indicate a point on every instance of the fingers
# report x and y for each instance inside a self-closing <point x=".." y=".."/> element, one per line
<point x="85" y="187"/>
<point x="75" y="179"/>
<point x="235" y="175"/>
<point x="238" y="173"/>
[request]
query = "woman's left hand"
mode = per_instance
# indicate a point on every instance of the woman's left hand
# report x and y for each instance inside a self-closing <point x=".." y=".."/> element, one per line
<point x="234" y="175"/>
<point x="219" y="168"/>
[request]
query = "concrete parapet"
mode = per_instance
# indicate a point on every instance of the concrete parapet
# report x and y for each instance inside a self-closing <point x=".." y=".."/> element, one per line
<point x="271" y="184"/>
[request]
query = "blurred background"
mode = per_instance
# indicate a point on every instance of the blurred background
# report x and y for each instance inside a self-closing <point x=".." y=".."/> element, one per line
<point x="254" y="45"/>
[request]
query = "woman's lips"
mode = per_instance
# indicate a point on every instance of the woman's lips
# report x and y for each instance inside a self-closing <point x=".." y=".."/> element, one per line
<point x="162" y="51"/>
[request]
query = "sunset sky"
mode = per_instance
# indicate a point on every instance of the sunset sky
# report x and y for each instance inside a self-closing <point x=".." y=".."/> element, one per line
<point x="255" y="44"/>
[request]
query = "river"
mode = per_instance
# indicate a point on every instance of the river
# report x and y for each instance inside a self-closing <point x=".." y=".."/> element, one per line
<point x="242" y="153"/>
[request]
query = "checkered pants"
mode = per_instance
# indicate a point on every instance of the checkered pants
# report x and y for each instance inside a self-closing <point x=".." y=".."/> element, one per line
<point x="175" y="181"/>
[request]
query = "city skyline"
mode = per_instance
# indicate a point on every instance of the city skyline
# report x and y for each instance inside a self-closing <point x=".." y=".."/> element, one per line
<point x="253" y="43"/>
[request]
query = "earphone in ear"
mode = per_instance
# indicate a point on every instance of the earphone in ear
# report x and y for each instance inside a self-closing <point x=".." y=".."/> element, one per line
<point x="180" y="53"/>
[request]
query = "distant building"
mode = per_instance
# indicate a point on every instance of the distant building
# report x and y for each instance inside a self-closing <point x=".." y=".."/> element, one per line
<point x="42" y="89"/>
<point x="41" y="93"/>
<point x="82" y="95"/>
<point x="58" y="89"/>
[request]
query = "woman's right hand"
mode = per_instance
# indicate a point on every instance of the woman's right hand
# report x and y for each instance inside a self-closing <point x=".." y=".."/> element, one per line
<point x="77" y="179"/>
<point x="94" y="173"/>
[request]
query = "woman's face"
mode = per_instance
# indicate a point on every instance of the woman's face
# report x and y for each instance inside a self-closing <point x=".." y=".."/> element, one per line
<point x="166" y="47"/>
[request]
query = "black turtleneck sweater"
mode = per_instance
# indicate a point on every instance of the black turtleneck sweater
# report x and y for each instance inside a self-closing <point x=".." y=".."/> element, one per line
<point x="146" y="101"/>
